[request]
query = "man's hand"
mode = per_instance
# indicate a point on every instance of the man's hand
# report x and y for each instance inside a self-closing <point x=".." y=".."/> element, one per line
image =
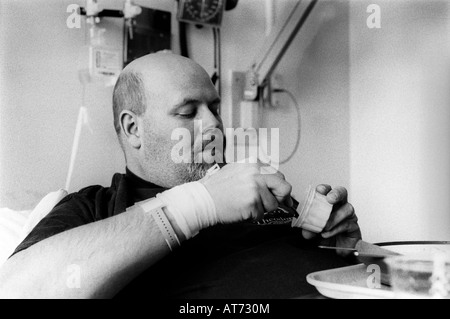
<point x="342" y="229"/>
<point x="240" y="191"/>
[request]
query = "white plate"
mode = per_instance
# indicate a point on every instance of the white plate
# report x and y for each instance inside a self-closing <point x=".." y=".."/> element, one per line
<point x="353" y="282"/>
<point x="347" y="283"/>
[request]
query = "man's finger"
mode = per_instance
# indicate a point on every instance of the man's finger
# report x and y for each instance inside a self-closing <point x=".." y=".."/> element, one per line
<point x="347" y="227"/>
<point x="269" y="201"/>
<point x="323" y="189"/>
<point x="308" y="234"/>
<point x="258" y="210"/>
<point x="279" y="188"/>
<point x="270" y="170"/>
<point x="337" y="195"/>
<point x="344" y="212"/>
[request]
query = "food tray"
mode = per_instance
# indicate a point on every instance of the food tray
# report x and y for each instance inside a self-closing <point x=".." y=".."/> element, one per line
<point x="352" y="282"/>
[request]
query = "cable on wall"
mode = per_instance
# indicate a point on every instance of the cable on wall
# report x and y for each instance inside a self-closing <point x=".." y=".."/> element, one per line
<point x="299" y="126"/>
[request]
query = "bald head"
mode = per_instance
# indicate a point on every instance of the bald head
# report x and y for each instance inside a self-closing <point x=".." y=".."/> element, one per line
<point x="149" y="76"/>
<point x="159" y="66"/>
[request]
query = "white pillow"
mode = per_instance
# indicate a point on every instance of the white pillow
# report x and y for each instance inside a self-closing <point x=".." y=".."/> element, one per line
<point x="42" y="209"/>
<point x="16" y="225"/>
<point x="11" y="226"/>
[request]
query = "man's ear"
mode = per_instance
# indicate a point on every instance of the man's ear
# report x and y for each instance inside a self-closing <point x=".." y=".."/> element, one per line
<point x="130" y="128"/>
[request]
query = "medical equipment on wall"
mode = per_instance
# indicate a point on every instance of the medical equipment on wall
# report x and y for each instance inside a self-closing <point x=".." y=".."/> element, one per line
<point x="258" y="89"/>
<point x="275" y="47"/>
<point x="204" y="13"/>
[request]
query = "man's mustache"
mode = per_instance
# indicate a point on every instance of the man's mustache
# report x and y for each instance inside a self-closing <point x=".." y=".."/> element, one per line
<point x="210" y="136"/>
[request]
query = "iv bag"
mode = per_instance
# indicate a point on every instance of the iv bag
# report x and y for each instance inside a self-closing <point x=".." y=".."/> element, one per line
<point x="99" y="63"/>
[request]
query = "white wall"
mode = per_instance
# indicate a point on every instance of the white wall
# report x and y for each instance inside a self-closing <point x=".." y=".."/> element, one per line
<point x="400" y="112"/>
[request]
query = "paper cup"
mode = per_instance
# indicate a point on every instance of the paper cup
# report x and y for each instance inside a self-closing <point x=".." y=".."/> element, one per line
<point x="315" y="212"/>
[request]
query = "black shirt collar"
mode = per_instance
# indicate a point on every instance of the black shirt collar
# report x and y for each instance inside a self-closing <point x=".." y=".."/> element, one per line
<point x="137" y="182"/>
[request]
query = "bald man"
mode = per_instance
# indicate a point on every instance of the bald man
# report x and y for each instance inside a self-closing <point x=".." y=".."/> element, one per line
<point x="170" y="230"/>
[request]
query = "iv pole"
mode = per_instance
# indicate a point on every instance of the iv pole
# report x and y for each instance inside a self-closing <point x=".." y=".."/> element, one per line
<point x="93" y="15"/>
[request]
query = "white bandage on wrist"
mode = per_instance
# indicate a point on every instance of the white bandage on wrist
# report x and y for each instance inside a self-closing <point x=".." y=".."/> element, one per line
<point x="191" y="206"/>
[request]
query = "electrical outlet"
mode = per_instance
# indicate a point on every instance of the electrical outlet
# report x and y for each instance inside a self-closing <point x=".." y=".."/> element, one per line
<point x="276" y="83"/>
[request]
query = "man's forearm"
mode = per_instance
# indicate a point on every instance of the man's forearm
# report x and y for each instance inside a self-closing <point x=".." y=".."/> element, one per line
<point x="106" y="255"/>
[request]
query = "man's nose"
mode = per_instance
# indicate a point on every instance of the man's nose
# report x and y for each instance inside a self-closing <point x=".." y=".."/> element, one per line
<point x="209" y="119"/>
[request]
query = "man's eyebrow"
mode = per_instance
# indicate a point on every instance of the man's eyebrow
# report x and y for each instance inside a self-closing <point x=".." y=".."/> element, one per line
<point x="188" y="101"/>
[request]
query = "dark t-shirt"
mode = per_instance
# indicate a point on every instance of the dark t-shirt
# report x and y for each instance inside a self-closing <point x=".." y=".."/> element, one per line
<point x="242" y="260"/>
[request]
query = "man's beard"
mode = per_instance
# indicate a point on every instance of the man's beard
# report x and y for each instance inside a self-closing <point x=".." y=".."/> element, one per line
<point x="195" y="171"/>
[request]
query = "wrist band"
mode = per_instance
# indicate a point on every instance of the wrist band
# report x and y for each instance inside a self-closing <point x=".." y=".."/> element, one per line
<point x="166" y="229"/>
<point x="154" y="207"/>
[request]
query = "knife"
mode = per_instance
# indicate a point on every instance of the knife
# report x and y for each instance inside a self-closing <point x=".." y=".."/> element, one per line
<point x="365" y="249"/>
